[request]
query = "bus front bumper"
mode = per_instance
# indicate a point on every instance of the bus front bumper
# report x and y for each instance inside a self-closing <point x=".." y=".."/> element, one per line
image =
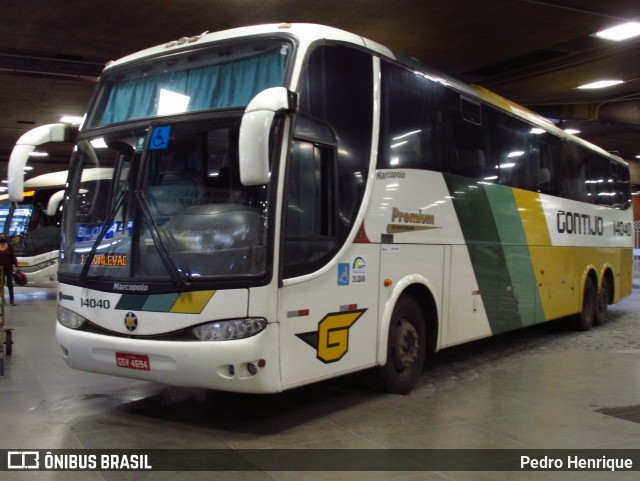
<point x="243" y="365"/>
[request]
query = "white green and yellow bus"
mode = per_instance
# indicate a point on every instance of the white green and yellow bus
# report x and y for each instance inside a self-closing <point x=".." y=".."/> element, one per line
<point x="291" y="203"/>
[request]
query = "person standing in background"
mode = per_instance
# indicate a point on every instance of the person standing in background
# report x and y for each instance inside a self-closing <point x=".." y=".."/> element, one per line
<point x="7" y="261"/>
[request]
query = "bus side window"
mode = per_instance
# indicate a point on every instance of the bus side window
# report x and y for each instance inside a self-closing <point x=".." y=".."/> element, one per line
<point x="599" y="181"/>
<point x="546" y="152"/>
<point x="310" y="229"/>
<point x="410" y="121"/>
<point x="574" y="175"/>
<point x="621" y="186"/>
<point x="511" y="150"/>
<point x="469" y="155"/>
<point x="337" y="91"/>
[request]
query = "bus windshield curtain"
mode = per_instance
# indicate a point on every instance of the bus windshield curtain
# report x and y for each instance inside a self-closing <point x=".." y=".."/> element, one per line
<point x="224" y="85"/>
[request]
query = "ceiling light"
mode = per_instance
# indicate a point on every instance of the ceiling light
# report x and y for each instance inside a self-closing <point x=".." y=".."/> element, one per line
<point x="620" y="32"/>
<point x="572" y="131"/>
<point x="36" y="153"/>
<point x="600" y="84"/>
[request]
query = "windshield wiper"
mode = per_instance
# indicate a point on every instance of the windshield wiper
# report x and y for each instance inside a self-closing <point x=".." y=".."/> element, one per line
<point x="177" y="278"/>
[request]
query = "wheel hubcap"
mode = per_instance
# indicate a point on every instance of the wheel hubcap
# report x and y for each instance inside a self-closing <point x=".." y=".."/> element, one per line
<point x="406" y="345"/>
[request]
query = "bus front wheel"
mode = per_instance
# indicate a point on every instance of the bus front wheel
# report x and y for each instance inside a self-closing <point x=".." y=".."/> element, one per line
<point x="406" y="347"/>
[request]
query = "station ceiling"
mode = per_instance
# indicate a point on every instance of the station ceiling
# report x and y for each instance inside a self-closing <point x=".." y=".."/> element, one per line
<point x="534" y="52"/>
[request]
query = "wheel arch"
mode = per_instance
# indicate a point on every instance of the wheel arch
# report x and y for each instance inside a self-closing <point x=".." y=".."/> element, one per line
<point x="421" y="290"/>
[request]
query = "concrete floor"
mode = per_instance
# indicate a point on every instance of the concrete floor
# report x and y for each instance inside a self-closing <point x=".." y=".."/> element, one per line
<point x="542" y="387"/>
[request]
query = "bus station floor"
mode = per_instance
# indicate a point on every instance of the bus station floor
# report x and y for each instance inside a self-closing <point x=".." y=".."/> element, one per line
<point x="544" y="387"/>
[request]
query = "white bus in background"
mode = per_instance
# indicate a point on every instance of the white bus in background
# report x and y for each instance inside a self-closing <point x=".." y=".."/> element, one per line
<point x="34" y="230"/>
<point x="33" y="224"/>
<point x="291" y="203"/>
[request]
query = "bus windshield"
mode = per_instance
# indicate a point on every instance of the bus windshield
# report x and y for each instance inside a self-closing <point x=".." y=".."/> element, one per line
<point x="173" y="208"/>
<point x="210" y="78"/>
<point x="30" y="227"/>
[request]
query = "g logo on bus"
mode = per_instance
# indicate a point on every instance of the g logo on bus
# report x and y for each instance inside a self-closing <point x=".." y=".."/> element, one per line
<point x="131" y="321"/>
<point x="331" y="340"/>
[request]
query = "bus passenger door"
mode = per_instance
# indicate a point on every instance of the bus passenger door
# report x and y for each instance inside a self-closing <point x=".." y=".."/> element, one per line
<point x="327" y="307"/>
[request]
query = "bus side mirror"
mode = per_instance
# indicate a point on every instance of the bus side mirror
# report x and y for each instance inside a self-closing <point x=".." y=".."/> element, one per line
<point x="54" y="203"/>
<point x="23" y="148"/>
<point x="254" y="133"/>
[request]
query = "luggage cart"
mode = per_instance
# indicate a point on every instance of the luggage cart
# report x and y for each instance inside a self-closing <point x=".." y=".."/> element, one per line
<point x="6" y="333"/>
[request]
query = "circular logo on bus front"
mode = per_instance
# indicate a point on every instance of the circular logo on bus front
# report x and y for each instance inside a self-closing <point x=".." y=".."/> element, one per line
<point x="130" y="321"/>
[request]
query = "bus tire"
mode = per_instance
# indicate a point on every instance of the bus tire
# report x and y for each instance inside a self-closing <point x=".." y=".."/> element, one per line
<point x="584" y="320"/>
<point x="406" y="347"/>
<point x="602" y="304"/>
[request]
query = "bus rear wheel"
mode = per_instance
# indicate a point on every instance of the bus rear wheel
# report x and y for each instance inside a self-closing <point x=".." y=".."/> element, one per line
<point x="602" y="304"/>
<point x="406" y="348"/>
<point x="584" y="320"/>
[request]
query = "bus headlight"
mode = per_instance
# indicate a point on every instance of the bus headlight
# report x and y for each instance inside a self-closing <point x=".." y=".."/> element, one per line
<point x="69" y="318"/>
<point x="230" y="329"/>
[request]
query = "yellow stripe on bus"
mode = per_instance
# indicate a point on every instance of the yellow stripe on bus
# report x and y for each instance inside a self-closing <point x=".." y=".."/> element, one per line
<point x="191" y="302"/>
<point x="534" y="222"/>
<point x="560" y="271"/>
<point x="548" y="262"/>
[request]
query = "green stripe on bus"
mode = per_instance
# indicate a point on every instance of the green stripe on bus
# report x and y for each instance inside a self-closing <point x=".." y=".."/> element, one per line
<point x="160" y="302"/>
<point x="131" y="302"/>
<point x="477" y="218"/>
<point x="515" y="247"/>
<point x="185" y="303"/>
<point x="145" y="302"/>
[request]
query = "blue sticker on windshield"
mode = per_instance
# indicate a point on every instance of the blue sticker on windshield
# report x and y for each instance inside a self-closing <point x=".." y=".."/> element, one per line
<point x="160" y="138"/>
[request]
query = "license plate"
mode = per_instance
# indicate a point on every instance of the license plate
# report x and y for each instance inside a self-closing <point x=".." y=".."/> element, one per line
<point x="133" y="361"/>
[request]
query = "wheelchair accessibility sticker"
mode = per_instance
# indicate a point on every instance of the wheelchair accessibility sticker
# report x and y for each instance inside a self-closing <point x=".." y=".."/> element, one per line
<point x="160" y="138"/>
<point x="343" y="274"/>
<point x="354" y="273"/>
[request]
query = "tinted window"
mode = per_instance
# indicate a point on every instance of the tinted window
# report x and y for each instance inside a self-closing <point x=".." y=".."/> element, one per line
<point x="310" y="233"/>
<point x="546" y="150"/>
<point x="607" y="182"/>
<point x="468" y="132"/>
<point x="511" y="150"/>
<point x="410" y="120"/>
<point x="327" y="182"/>
<point x="573" y="172"/>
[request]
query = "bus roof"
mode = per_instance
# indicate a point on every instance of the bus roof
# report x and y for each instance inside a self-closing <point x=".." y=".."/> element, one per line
<point x="51" y="179"/>
<point x="307" y="33"/>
